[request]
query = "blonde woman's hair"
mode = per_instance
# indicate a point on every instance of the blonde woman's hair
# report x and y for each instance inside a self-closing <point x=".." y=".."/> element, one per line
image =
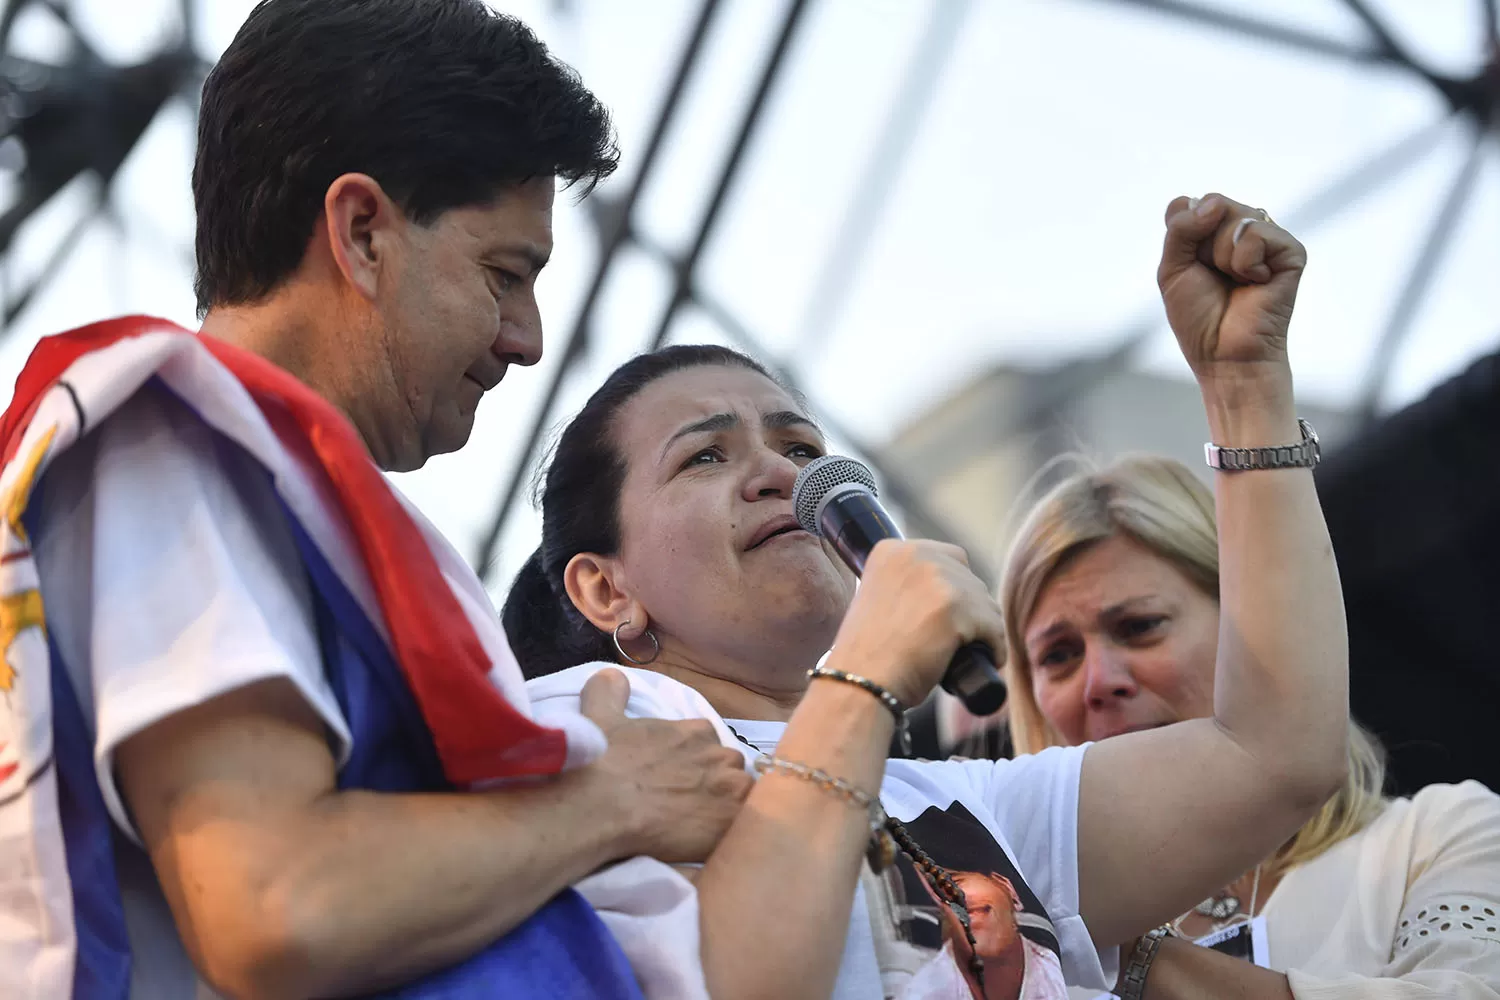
<point x="1159" y="504"/>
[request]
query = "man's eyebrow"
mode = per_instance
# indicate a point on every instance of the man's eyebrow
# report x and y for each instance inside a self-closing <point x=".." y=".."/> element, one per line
<point x="535" y="257"/>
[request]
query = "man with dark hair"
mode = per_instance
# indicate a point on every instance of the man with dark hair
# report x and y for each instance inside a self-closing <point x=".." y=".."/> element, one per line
<point x="346" y="116"/>
<point x="259" y="724"/>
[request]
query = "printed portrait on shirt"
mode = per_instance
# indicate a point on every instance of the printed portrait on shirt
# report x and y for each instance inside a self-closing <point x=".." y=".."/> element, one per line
<point x="920" y="943"/>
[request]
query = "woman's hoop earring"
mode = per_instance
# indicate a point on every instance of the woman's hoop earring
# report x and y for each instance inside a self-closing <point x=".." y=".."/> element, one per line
<point x="655" y="646"/>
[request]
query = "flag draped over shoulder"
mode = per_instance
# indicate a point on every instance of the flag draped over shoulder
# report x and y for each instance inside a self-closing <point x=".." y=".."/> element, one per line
<point x="432" y="621"/>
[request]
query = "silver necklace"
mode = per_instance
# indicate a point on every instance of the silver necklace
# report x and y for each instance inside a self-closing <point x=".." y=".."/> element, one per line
<point x="1223" y="907"/>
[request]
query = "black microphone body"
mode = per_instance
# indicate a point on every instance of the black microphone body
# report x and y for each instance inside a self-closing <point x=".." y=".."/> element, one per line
<point x="848" y="514"/>
<point x="853" y="522"/>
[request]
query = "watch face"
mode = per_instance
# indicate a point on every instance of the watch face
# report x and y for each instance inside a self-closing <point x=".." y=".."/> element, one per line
<point x="1310" y="441"/>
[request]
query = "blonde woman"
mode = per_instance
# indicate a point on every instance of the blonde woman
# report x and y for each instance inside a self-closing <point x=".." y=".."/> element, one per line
<point x="1111" y="596"/>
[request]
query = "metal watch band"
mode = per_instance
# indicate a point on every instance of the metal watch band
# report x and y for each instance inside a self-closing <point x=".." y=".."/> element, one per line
<point x="1306" y="454"/>
<point x="1132" y="983"/>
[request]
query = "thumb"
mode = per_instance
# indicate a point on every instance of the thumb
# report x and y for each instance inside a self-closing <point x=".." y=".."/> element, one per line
<point x="602" y="700"/>
<point x="1190" y="221"/>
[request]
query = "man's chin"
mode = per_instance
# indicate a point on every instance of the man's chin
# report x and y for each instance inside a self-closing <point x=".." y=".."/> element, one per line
<point x="444" y="438"/>
<point x="408" y="459"/>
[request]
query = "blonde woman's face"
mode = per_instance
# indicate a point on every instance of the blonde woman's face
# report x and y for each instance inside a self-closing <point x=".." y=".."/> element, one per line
<point x="1120" y="640"/>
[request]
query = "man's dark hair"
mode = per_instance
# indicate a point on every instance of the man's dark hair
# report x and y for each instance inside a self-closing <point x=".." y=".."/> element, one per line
<point x="444" y="102"/>
<point x="580" y="501"/>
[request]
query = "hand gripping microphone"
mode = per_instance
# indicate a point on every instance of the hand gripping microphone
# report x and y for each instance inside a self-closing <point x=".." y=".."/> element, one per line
<point x="835" y="499"/>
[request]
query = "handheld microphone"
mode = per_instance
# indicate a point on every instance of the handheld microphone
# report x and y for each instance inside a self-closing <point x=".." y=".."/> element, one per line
<point x="835" y="499"/>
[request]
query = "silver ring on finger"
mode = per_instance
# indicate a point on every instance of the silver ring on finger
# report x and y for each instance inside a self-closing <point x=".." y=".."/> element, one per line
<point x="1241" y="226"/>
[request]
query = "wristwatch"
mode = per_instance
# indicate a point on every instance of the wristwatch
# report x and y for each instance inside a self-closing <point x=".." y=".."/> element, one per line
<point x="1132" y="982"/>
<point x="1304" y="455"/>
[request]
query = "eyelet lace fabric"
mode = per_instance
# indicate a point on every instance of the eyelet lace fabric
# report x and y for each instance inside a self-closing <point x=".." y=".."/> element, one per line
<point x="1450" y="916"/>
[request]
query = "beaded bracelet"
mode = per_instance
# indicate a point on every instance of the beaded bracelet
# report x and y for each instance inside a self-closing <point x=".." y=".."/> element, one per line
<point x="882" y="848"/>
<point x="822" y="779"/>
<point x="890" y="701"/>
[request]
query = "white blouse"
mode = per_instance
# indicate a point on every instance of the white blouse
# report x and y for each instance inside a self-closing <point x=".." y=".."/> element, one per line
<point x="1406" y="909"/>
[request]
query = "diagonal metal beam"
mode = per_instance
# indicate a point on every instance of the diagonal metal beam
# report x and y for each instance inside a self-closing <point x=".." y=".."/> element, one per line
<point x="613" y="237"/>
<point x="1266" y="31"/>
<point x="8" y="17"/>
<point x="872" y="190"/>
<point x="729" y="172"/>
<point x="16" y="306"/>
<point x="33" y="194"/>
<point x="1460" y="93"/>
<point x="188" y="13"/>
<point x="60" y="10"/>
<point x="1382" y="34"/>
<point x="1439" y="236"/>
<point x="1075" y="376"/>
<point x="1078" y="375"/>
<point x="1353" y="186"/>
<point x="63" y="11"/>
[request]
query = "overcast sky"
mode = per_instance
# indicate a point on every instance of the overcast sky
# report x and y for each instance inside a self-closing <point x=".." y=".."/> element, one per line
<point x="1022" y="223"/>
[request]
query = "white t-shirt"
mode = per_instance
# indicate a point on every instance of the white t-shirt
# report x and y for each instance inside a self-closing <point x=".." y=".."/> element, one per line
<point x="169" y="576"/>
<point x="1012" y="825"/>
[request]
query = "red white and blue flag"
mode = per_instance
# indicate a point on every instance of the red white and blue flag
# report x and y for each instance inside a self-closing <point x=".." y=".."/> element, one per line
<point x="386" y="578"/>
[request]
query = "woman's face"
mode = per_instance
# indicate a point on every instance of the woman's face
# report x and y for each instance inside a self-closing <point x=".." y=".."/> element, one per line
<point x="1120" y="640"/>
<point x="709" y="545"/>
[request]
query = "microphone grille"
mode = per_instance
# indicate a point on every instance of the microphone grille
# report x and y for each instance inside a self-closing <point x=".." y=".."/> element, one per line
<point x="820" y="477"/>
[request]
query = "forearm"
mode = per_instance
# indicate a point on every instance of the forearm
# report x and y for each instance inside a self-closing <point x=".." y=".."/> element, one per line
<point x="372" y="890"/>
<point x="1281" y="687"/>
<point x="775" y="896"/>
<point x="1184" y="971"/>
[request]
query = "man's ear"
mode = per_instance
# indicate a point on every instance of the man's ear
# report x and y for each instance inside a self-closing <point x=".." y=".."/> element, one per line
<point x="596" y="586"/>
<point x="361" y="222"/>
